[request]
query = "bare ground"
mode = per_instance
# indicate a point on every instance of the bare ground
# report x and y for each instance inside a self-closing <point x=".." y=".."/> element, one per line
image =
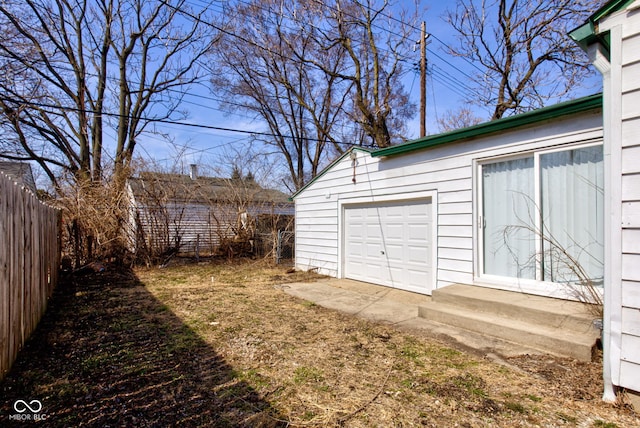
<point x="219" y="344"/>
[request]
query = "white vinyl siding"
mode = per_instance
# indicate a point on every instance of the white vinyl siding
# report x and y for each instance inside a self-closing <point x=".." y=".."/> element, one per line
<point x="445" y="171"/>
<point x="622" y="120"/>
<point x="630" y="206"/>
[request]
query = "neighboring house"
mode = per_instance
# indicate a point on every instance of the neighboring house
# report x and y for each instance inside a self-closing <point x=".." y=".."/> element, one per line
<point x="474" y="206"/>
<point x="20" y="172"/>
<point x="612" y="38"/>
<point x="187" y="213"/>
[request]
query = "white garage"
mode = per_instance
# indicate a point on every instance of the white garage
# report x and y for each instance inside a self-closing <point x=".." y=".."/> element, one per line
<point x="425" y="215"/>
<point x="389" y="243"/>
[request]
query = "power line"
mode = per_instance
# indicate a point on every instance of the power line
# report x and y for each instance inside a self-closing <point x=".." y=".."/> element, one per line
<point x="291" y="18"/>
<point x="435" y="108"/>
<point x="189" y="151"/>
<point x="444" y="79"/>
<point x="182" y="94"/>
<point x="167" y="121"/>
<point x="384" y="29"/>
<point x="471" y="63"/>
<point x="467" y="60"/>
<point x="450" y="82"/>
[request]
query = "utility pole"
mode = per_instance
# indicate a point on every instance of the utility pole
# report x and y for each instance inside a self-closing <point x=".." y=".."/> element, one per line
<point x="423" y="80"/>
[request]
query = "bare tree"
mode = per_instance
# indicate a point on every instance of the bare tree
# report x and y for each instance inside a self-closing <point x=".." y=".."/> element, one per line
<point x="313" y="72"/>
<point x="79" y="68"/>
<point x="521" y="50"/>
<point x="84" y="80"/>
<point x="264" y="212"/>
<point x="458" y="119"/>
<point x="255" y="65"/>
<point x="376" y="45"/>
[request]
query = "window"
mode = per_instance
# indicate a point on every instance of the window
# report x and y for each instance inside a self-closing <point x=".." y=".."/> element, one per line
<point x="542" y="216"/>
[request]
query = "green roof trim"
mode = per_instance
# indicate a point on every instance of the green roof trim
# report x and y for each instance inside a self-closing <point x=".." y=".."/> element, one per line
<point x="535" y="116"/>
<point x="584" y="35"/>
<point x="566" y="108"/>
<point x="609" y="8"/>
<point x="588" y="33"/>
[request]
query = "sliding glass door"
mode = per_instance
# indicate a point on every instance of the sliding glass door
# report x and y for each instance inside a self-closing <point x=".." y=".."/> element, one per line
<point x="542" y="216"/>
<point x="507" y="201"/>
<point x="572" y="191"/>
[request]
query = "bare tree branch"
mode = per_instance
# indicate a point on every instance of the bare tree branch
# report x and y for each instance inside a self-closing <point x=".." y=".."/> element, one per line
<point x="93" y="60"/>
<point x="523" y="51"/>
<point x="322" y="80"/>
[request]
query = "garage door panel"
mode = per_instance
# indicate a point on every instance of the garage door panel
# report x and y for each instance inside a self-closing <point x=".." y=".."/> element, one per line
<point x="416" y="209"/>
<point x="417" y="278"/>
<point x="372" y="251"/>
<point x="373" y="232"/>
<point x="395" y="231"/>
<point x="396" y="241"/>
<point x="355" y="251"/>
<point x="396" y="274"/>
<point x="374" y="272"/>
<point x="394" y="252"/>
<point x="393" y="210"/>
<point x="417" y="229"/>
<point x="354" y="236"/>
<point x="419" y="256"/>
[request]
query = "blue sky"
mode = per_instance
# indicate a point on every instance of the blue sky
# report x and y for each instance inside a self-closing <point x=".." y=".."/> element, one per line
<point x="206" y="146"/>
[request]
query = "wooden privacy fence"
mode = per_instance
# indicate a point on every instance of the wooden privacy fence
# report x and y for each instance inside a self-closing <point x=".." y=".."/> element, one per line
<point x="29" y="262"/>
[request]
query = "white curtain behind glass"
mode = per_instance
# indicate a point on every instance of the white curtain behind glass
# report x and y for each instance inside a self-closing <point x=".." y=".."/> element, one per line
<point x="572" y="212"/>
<point x="508" y="213"/>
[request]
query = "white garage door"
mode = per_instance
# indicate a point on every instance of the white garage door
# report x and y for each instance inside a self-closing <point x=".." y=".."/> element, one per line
<point x="390" y="244"/>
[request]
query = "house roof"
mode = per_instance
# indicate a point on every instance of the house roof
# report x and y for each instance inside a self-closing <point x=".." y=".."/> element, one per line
<point x="202" y="190"/>
<point x="591" y="102"/>
<point x="20" y="172"/>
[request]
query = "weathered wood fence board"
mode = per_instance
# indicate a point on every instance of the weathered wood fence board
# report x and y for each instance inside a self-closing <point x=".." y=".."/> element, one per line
<point x="29" y="262"/>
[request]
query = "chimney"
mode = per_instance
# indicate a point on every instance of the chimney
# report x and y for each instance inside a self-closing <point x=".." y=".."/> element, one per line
<point x="194" y="171"/>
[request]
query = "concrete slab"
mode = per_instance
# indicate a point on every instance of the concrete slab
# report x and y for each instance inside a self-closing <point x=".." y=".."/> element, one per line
<point x="325" y="295"/>
<point x="400" y="309"/>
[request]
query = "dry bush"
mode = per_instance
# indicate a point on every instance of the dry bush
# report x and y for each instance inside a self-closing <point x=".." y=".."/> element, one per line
<point x="564" y="256"/>
<point x="93" y="217"/>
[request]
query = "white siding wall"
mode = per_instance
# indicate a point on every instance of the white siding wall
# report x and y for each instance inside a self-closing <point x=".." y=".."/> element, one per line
<point x="630" y="210"/>
<point x="446" y="170"/>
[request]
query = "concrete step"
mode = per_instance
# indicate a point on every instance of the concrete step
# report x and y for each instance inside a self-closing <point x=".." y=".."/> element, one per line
<point x="538" y="310"/>
<point x="551" y="340"/>
<point x="550" y="325"/>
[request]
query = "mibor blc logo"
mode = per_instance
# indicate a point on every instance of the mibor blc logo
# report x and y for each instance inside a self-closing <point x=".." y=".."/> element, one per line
<point x="27" y="411"/>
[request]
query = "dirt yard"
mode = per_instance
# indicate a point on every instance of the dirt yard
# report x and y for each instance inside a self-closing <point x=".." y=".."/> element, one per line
<point x="222" y="345"/>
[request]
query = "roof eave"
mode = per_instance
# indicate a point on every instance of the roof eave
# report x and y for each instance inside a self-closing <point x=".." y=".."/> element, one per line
<point x="588" y="33"/>
<point x="562" y="109"/>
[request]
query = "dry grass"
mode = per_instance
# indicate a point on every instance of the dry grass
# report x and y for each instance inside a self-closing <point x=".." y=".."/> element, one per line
<point x="223" y="345"/>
